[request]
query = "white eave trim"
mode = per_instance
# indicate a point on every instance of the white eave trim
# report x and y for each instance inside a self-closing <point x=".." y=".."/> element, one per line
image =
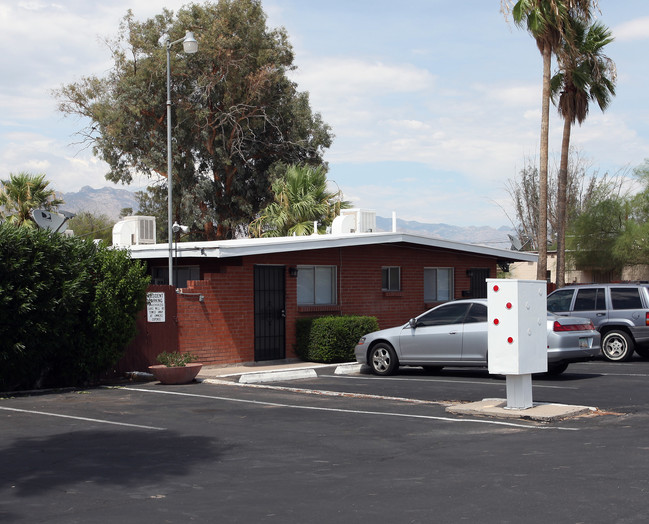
<point x="263" y="246"/>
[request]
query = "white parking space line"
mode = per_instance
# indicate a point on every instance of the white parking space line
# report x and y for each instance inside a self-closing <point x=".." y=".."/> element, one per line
<point x="624" y="374"/>
<point x="349" y="411"/>
<point x="100" y="421"/>
<point x="452" y="381"/>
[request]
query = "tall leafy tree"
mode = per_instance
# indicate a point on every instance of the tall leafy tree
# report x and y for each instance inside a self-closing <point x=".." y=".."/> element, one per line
<point x="546" y="21"/>
<point x="301" y="198"/>
<point x="598" y="233"/>
<point x="22" y="193"/>
<point x="584" y="188"/>
<point x="235" y="111"/>
<point x="611" y="234"/>
<point x="632" y="245"/>
<point x="585" y="75"/>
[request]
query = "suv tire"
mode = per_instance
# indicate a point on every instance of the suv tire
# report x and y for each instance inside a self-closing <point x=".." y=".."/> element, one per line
<point x="617" y="346"/>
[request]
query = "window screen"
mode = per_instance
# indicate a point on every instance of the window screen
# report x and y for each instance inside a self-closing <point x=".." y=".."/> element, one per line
<point x="438" y="284"/>
<point x="316" y="285"/>
<point x="391" y="279"/>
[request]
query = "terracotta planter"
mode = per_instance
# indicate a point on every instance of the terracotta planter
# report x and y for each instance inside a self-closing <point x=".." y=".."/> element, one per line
<point x="176" y="375"/>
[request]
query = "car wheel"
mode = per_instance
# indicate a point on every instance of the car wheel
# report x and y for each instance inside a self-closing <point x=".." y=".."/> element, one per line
<point x="617" y="346"/>
<point x="383" y="359"/>
<point x="643" y="351"/>
<point x="556" y="368"/>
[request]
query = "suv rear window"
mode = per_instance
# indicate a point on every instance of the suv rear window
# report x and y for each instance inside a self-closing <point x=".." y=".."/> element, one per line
<point x="625" y="298"/>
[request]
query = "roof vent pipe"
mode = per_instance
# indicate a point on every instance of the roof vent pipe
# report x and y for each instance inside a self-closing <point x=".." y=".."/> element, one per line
<point x="394" y="221"/>
<point x="315" y="227"/>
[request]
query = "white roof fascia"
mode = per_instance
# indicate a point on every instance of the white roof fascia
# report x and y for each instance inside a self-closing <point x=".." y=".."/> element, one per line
<point x="262" y="246"/>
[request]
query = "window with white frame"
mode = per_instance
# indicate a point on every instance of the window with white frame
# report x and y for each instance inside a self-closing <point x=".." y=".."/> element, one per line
<point x="438" y="284"/>
<point x="391" y="278"/>
<point x="316" y="285"/>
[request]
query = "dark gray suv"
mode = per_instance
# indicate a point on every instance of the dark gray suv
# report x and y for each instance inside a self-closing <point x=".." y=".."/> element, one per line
<point x="620" y="312"/>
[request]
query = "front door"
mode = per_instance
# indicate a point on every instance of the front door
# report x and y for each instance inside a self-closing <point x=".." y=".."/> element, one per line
<point x="270" y="313"/>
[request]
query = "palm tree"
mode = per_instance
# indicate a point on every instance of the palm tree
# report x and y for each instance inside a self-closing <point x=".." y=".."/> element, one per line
<point x="21" y="194"/>
<point x="300" y="199"/>
<point x="546" y="21"/>
<point x="585" y="74"/>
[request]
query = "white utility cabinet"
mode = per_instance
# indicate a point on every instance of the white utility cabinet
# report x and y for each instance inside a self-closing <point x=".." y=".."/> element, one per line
<point x="517" y="335"/>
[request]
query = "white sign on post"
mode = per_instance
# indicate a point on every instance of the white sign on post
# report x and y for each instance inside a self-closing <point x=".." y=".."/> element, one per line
<point x="155" y="307"/>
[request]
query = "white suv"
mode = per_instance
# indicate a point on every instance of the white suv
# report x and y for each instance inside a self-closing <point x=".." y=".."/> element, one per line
<point x="620" y="312"/>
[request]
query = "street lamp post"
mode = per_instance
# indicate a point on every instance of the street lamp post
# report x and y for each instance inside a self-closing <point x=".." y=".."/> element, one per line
<point x="190" y="45"/>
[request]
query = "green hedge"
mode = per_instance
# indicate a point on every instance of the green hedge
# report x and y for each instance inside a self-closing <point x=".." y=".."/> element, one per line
<point x="331" y="339"/>
<point x="67" y="307"/>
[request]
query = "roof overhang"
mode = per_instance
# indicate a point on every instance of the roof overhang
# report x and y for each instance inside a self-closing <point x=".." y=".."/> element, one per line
<point x="263" y="246"/>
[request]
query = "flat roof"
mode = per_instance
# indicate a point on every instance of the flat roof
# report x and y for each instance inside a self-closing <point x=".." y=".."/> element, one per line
<point x="263" y="246"/>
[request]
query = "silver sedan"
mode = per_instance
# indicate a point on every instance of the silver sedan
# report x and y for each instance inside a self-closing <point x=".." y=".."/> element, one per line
<point x="455" y="334"/>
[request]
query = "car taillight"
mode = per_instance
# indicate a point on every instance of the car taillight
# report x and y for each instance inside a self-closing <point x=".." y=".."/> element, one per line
<point x="646" y="321"/>
<point x="558" y="326"/>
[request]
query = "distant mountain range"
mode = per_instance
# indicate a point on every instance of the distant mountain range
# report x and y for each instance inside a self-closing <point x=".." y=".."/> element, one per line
<point x="471" y="234"/>
<point x="104" y="201"/>
<point x="110" y="202"/>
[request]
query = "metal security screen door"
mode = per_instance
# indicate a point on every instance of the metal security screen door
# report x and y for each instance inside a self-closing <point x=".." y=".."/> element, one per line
<point x="479" y="278"/>
<point x="270" y="313"/>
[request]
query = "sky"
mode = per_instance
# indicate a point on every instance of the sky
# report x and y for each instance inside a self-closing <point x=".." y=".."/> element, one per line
<point x="434" y="104"/>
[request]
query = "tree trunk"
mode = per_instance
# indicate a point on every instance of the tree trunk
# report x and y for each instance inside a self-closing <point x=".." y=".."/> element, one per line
<point x="562" y="204"/>
<point x="542" y="239"/>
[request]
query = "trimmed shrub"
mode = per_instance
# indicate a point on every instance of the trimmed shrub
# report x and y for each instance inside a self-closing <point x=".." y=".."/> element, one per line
<point x="302" y="334"/>
<point x="67" y="307"/>
<point x="331" y="339"/>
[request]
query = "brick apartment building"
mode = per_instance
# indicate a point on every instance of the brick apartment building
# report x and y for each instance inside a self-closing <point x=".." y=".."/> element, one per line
<point x="238" y="300"/>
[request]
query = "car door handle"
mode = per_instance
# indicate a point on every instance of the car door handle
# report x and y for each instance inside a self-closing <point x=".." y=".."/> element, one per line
<point x="601" y="314"/>
<point x="452" y="332"/>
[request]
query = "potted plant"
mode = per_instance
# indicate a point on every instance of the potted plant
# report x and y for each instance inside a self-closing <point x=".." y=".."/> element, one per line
<point x="175" y="368"/>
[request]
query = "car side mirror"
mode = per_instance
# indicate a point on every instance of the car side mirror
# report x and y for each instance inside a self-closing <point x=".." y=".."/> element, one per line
<point x="413" y="323"/>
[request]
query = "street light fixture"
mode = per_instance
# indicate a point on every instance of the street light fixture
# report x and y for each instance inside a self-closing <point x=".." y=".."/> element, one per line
<point x="190" y="45"/>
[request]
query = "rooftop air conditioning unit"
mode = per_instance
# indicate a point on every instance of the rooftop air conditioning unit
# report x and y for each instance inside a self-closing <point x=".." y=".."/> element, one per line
<point x="135" y="230"/>
<point x="354" y="221"/>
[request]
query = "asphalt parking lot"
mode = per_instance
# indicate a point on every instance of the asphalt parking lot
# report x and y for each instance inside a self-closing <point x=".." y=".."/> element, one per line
<point x="353" y="448"/>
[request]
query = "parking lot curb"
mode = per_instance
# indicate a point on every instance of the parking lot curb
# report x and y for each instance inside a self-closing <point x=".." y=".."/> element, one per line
<point x="277" y="375"/>
<point x="351" y="368"/>
<point x="497" y="407"/>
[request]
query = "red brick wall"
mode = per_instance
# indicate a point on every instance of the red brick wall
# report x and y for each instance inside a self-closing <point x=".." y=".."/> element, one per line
<point x="152" y="338"/>
<point x="220" y="330"/>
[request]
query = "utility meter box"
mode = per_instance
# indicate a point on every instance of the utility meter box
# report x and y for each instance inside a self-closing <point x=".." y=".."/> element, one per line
<point x="517" y="332"/>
